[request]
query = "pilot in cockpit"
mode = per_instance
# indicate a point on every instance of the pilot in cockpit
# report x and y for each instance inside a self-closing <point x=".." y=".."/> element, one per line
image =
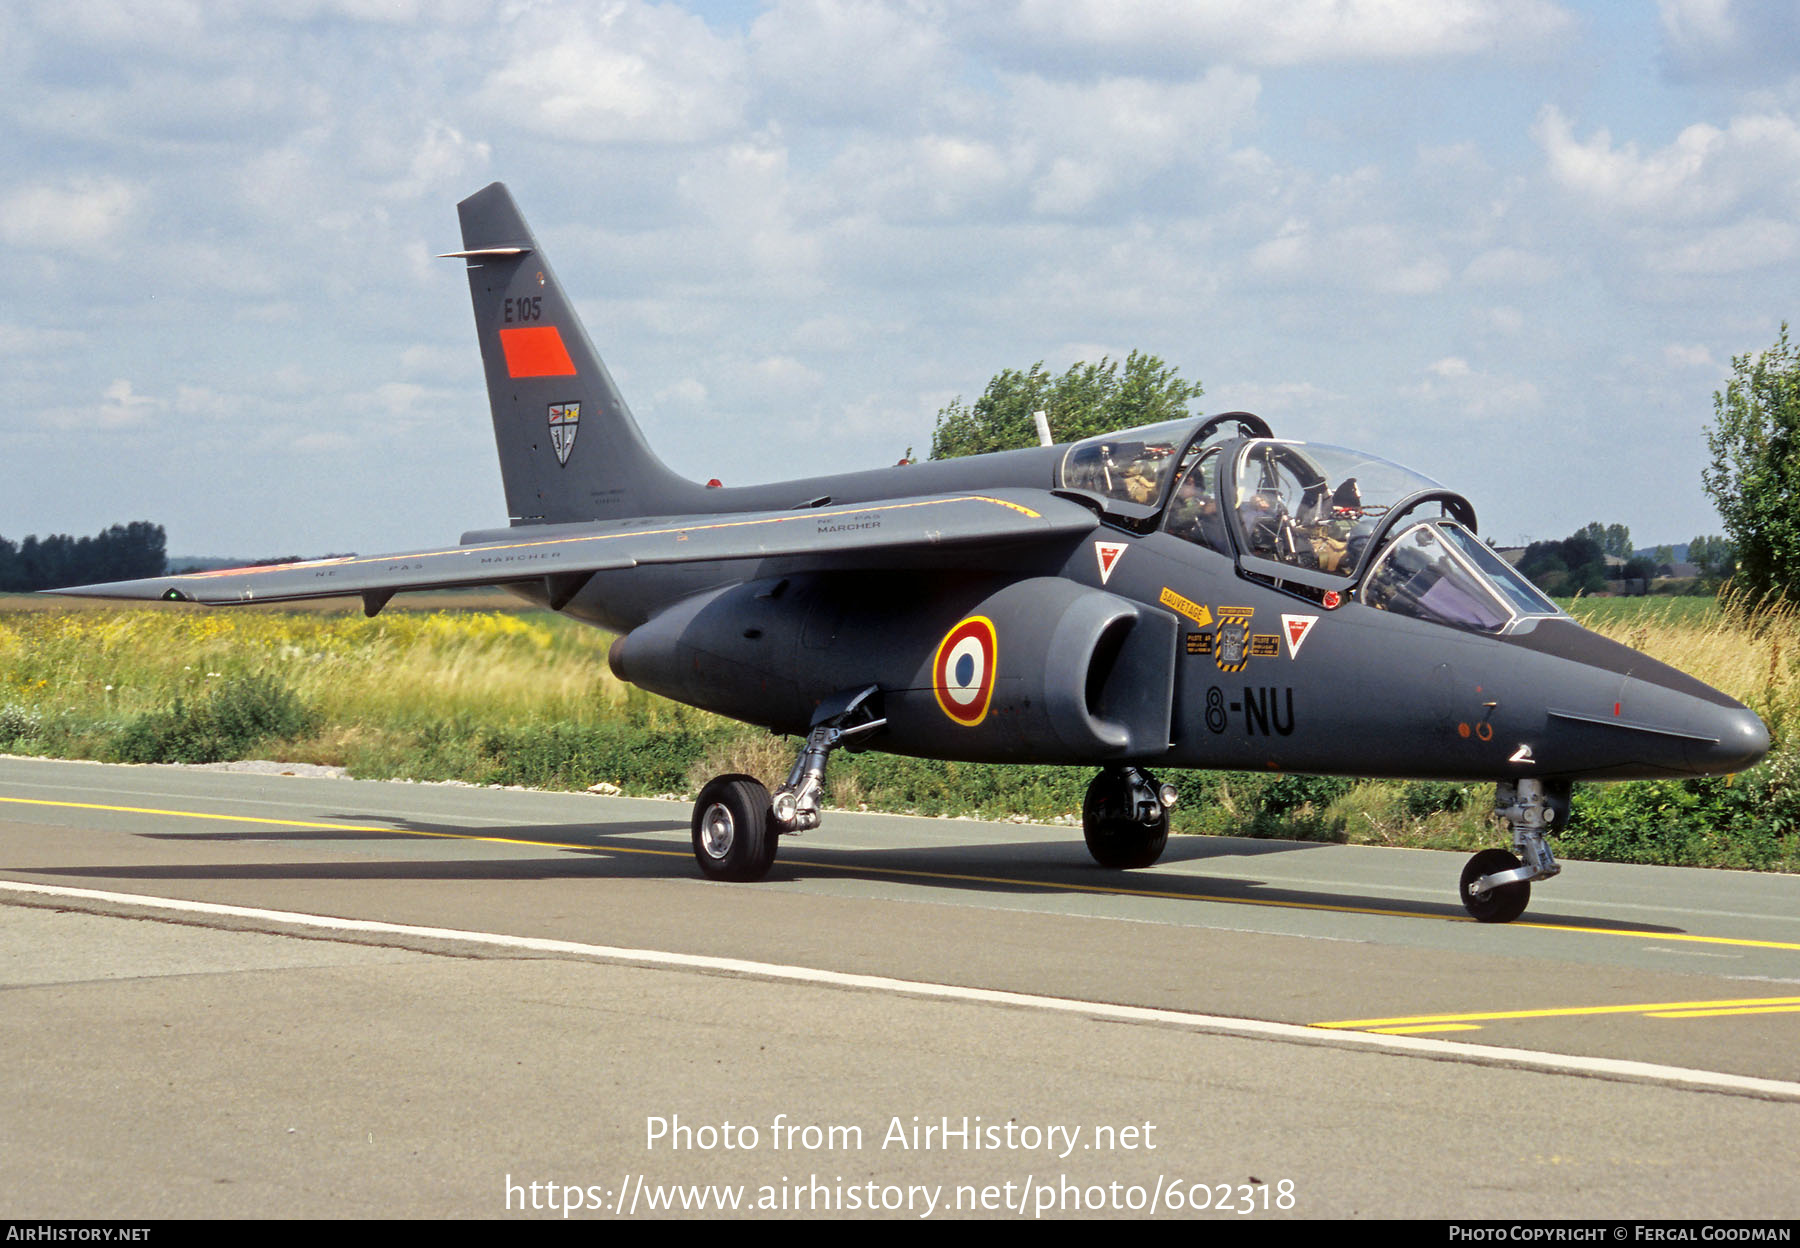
<point x="1315" y="534"/>
<point x="1329" y="531"/>
<point x="1194" y="514"/>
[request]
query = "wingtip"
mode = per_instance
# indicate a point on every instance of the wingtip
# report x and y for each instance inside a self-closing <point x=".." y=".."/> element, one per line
<point x="157" y="589"/>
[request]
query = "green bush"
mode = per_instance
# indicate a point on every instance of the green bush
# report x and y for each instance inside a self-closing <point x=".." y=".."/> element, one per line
<point x="1750" y="820"/>
<point x="1420" y="798"/>
<point x="563" y="756"/>
<point x="1285" y="793"/>
<point x="18" y="723"/>
<point x="229" y="722"/>
<point x="893" y="782"/>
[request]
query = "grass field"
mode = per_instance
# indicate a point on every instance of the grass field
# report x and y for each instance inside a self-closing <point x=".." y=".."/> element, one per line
<point x="453" y="687"/>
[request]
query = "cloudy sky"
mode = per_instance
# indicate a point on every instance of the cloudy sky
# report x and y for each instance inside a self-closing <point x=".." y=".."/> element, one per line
<point x="1511" y="243"/>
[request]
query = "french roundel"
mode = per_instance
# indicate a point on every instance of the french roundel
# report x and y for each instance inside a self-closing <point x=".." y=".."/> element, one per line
<point x="962" y="674"/>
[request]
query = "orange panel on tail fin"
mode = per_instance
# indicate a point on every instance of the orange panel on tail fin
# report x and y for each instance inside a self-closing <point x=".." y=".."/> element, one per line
<point x="536" y="352"/>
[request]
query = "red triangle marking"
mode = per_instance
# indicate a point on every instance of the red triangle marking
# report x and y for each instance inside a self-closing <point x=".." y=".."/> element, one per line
<point x="1108" y="554"/>
<point x="1297" y="628"/>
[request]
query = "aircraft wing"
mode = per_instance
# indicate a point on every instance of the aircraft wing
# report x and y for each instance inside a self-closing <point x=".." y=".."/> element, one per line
<point x="564" y="556"/>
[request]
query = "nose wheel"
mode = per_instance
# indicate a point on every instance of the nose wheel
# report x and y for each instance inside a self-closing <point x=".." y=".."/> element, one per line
<point x="1499" y="903"/>
<point x="1125" y="818"/>
<point x="1496" y="885"/>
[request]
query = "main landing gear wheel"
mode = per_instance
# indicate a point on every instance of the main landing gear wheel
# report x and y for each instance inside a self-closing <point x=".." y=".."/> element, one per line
<point x="1498" y="905"/>
<point x="734" y="836"/>
<point x="1113" y="823"/>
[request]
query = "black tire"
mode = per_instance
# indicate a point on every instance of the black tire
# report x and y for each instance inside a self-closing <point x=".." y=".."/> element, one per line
<point x="1114" y="836"/>
<point x="734" y="833"/>
<point x="1503" y="904"/>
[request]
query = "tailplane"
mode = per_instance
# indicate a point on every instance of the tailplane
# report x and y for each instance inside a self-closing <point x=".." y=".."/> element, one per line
<point x="569" y="448"/>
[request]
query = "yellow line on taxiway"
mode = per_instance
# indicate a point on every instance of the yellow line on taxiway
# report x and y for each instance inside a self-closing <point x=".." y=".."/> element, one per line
<point x="869" y="869"/>
<point x="1658" y="1009"/>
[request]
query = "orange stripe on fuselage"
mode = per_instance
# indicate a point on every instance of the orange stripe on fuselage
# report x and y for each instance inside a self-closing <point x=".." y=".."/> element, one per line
<point x="536" y="352"/>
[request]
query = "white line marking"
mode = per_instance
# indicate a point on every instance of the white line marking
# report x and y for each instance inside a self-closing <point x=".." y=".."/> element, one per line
<point x="1408" y="1046"/>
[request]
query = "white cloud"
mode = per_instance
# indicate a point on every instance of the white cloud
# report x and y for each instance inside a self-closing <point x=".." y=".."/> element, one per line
<point x="1511" y="266"/>
<point x="1288" y="253"/>
<point x="1480" y="395"/>
<point x="323" y="442"/>
<point x="81" y="214"/>
<point x="623" y="72"/>
<point x="843" y="60"/>
<point x="781" y="376"/>
<point x="1376" y="257"/>
<point x="1689" y="355"/>
<point x="210" y="404"/>
<point x="687" y="392"/>
<point x="1270" y="399"/>
<point x="119" y="407"/>
<point x="1698" y="23"/>
<point x="1050" y="146"/>
<point x="396" y="12"/>
<point x="834" y="332"/>
<point x="1736" y="248"/>
<point x="1098" y="140"/>
<point x="30" y="340"/>
<point x="930" y="177"/>
<point x="822" y="215"/>
<point x="437" y="161"/>
<point x="436" y="360"/>
<point x="738" y="219"/>
<point x="1292" y="32"/>
<point x="402" y="399"/>
<point x="1463" y="160"/>
<point x="1703" y="173"/>
<point x="739" y="182"/>
<point x="168" y="26"/>
<point x="1504" y="319"/>
<point x="1735" y="40"/>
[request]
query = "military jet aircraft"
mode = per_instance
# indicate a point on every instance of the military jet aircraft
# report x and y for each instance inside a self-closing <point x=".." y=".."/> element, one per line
<point x="1193" y="594"/>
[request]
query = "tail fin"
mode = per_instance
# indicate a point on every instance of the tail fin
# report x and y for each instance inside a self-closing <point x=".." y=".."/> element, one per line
<point x="569" y="448"/>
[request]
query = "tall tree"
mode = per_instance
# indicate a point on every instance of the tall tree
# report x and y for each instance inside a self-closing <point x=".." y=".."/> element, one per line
<point x="1575" y="565"/>
<point x="1612" y="539"/>
<point x="1714" y="556"/>
<point x="123" y="552"/>
<point x="1088" y="399"/>
<point x="1754" y="477"/>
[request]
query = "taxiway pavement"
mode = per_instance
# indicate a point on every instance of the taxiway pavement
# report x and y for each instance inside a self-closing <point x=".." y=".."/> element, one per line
<point x="165" y="1062"/>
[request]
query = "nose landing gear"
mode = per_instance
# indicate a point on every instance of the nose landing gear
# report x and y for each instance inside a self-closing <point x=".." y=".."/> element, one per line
<point x="1496" y="885"/>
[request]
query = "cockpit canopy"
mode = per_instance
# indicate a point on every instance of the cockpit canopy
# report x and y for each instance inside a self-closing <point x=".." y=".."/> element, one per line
<point x="1132" y="466"/>
<point x="1320" y="521"/>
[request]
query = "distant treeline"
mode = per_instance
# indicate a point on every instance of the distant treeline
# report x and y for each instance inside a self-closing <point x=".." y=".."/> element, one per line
<point x="122" y="553"/>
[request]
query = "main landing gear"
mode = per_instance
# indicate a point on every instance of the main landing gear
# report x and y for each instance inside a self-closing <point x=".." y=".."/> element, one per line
<point x="1496" y="885"/>
<point x="1125" y="818"/>
<point x="737" y="821"/>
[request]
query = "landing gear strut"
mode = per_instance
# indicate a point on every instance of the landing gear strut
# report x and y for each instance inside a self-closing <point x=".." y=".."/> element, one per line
<point x="1125" y="818"/>
<point x="1496" y="885"/>
<point x="737" y="821"/>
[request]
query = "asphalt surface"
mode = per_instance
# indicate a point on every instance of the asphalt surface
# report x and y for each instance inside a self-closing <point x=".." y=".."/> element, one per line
<point x="164" y="1062"/>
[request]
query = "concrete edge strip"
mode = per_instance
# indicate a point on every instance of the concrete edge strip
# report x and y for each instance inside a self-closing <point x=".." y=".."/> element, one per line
<point x="1408" y="1046"/>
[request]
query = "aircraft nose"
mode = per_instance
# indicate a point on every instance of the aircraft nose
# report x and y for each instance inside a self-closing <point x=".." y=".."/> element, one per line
<point x="1743" y="739"/>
